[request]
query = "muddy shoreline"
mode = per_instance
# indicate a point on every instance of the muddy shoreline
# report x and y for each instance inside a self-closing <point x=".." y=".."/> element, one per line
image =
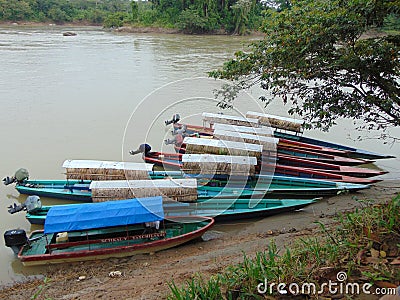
<point x="147" y="276"/>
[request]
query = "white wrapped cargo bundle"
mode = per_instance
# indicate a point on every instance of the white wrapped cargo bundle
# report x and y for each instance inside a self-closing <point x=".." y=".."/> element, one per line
<point x="220" y="147"/>
<point x="218" y="164"/>
<point x="233" y="120"/>
<point x="106" y="170"/>
<point x="277" y="121"/>
<point x="268" y="143"/>
<point x="261" y="131"/>
<point x="184" y="190"/>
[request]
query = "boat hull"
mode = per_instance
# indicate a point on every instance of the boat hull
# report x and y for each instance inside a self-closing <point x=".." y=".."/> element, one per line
<point x="292" y="187"/>
<point x="262" y="186"/>
<point x="173" y="161"/>
<point x="239" y="214"/>
<point x="55" y="189"/>
<point x="306" y="154"/>
<point x="60" y="189"/>
<point x="220" y="209"/>
<point x="350" y="151"/>
<point x="121" y="251"/>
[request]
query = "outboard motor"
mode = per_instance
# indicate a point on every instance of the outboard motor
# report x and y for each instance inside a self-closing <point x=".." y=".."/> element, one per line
<point x="14" y="208"/>
<point x="177" y="140"/>
<point x="143" y="148"/>
<point x="15" y="239"/>
<point x="175" y="119"/>
<point x="181" y="130"/>
<point x="170" y="141"/>
<point x="19" y="176"/>
<point x="9" y="180"/>
<point x="33" y="204"/>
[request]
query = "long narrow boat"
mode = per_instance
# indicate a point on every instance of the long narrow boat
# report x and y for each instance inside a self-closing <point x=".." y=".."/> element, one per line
<point x="267" y="186"/>
<point x="77" y="190"/>
<point x="229" y="132"/>
<point x="103" y="230"/>
<point x="219" y="209"/>
<point x="300" y="153"/>
<point x="291" y="187"/>
<point x="174" y="161"/>
<point x="234" y="209"/>
<point x="36" y="213"/>
<point x="288" y="160"/>
<point x="318" y="174"/>
<point x="281" y="141"/>
<point x="80" y="190"/>
<point x="350" y="151"/>
<point x="321" y="157"/>
<point x="294" y="125"/>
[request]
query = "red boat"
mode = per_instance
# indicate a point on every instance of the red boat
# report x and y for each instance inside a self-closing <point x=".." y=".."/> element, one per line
<point x="293" y="148"/>
<point x="172" y="161"/>
<point x="321" y="157"/>
<point x="297" y="148"/>
<point x="288" y="160"/>
<point x="306" y="154"/>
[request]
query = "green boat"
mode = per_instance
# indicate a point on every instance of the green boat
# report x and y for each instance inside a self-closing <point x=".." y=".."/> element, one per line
<point x="261" y="186"/>
<point x="96" y="231"/>
<point x="219" y="209"/>
<point x="79" y="190"/>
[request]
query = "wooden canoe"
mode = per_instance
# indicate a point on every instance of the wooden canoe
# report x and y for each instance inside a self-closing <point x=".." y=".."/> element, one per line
<point x="334" y="173"/>
<point x="219" y="209"/>
<point x="80" y="190"/>
<point x="108" y="229"/>
<point x="304" y="142"/>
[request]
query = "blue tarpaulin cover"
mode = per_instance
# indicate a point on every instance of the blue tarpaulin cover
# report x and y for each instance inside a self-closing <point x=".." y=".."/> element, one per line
<point x="73" y="217"/>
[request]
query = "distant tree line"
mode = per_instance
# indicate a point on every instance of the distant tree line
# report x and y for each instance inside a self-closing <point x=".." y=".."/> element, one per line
<point x="191" y="16"/>
<point x="61" y="11"/>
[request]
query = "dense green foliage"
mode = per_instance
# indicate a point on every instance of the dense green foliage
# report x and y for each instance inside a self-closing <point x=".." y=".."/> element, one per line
<point x="192" y="16"/>
<point x="317" y="57"/>
<point x="60" y="11"/>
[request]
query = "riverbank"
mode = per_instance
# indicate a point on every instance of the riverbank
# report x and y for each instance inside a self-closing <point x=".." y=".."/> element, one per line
<point x="147" y="276"/>
<point x="123" y="29"/>
<point x="132" y="29"/>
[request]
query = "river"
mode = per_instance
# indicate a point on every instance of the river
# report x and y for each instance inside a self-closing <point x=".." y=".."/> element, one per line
<point x="98" y="94"/>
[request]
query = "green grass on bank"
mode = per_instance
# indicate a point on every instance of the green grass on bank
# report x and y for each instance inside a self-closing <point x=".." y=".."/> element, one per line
<point x="363" y="244"/>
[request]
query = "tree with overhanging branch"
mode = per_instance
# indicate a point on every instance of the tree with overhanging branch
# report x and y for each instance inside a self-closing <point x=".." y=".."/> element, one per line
<point x="320" y="57"/>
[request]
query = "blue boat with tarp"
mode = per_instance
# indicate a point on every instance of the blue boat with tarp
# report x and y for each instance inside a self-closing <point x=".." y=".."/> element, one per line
<point x="95" y="231"/>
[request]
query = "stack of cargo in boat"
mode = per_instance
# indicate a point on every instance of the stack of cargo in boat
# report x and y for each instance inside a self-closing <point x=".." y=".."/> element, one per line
<point x="220" y="147"/>
<point x="268" y="143"/>
<point x="218" y="164"/>
<point x="106" y="170"/>
<point x="260" y="131"/>
<point x="232" y="120"/>
<point x="171" y="189"/>
<point x="277" y="121"/>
